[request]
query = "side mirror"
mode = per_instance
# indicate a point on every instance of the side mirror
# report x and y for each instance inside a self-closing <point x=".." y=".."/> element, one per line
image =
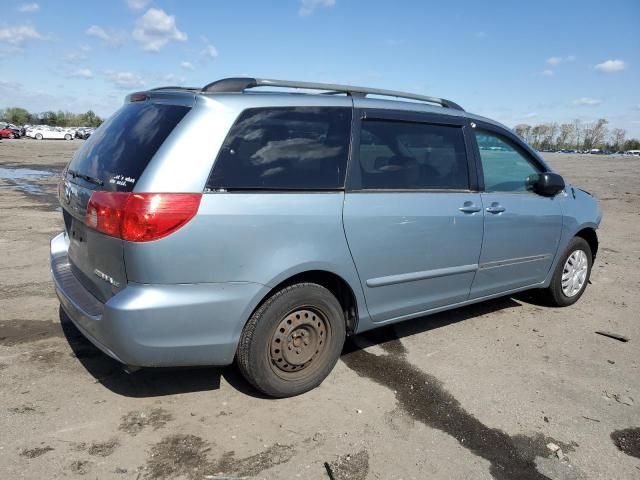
<point x="547" y="184"/>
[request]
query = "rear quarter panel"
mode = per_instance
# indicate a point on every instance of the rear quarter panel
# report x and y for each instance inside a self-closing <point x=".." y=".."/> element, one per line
<point x="262" y="238"/>
<point x="258" y="237"/>
<point x="183" y="162"/>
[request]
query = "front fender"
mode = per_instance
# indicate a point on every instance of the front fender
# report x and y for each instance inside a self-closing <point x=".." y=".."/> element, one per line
<point x="580" y="210"/>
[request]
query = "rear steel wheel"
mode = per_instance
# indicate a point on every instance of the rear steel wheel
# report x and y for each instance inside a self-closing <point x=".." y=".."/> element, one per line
<point x="292" y="341"/>
<point x="299" y="342"/>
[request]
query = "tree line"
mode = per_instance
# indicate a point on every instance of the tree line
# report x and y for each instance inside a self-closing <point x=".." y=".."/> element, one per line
<point x="20" y="116"/>
<point x="577" y="136"/>
<point x="572" y="136"/>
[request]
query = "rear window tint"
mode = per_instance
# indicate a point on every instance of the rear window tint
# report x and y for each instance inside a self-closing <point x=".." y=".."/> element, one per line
<point x="118" y="152"/>
<point x="292" y="148"/>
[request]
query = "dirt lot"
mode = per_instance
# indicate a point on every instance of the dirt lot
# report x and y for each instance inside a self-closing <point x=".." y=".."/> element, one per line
<point x="473" y="393"/>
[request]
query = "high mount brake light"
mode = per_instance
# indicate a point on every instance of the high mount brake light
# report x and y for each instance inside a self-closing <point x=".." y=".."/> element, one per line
<point x="140" y="217"/>
<point x="138" y="97"/>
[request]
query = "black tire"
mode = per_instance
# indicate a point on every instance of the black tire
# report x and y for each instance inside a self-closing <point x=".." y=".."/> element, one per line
<point x="298" y="313"/>
<point x="67" y="137"/>
<point x="38" y="136"/>
<point x="554" y="294"/>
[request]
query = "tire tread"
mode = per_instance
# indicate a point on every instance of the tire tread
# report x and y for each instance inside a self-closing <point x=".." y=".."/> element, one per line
<point x="243" y="357"/>
<point x="553" y="293"/>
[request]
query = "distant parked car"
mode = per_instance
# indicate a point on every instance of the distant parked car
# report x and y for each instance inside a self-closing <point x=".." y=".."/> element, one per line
<point x="9" y="133"/>
<point x="60" y="133"/>
<point x="31" y="132"/>
<point x="11" y="126"/>
<point x="84" y="132"/>
<point x="20" y="130"/>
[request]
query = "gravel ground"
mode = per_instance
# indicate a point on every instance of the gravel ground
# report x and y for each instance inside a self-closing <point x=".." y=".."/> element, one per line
<point x="505" y="389"/>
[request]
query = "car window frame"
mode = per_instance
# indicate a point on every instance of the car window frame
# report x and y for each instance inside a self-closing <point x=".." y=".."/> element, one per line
<point x="354" y="180"/>
<point x="511" y="139"/>
<point x="262" y="190"/>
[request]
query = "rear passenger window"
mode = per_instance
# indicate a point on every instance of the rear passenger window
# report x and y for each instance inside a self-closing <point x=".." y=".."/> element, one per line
<point x="401" y="155"/>
<point x="293" y="148"/>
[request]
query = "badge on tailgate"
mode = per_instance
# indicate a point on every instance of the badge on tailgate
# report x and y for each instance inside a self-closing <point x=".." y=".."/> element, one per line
<point x="106" y="278"/>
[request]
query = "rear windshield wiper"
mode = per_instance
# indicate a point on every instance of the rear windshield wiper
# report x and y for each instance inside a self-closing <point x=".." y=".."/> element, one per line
<point x="88" y="178"/>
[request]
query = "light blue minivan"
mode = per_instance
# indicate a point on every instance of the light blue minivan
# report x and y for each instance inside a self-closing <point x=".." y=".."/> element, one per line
<point x="240" y="221"/>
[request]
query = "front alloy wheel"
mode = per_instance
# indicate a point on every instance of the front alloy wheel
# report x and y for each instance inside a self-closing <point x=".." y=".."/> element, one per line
<point x="571" y="275"/>
<point x="574" y="273"/>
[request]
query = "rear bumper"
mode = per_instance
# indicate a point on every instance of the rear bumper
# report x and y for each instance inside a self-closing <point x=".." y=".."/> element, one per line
<point x="158" y="325"/>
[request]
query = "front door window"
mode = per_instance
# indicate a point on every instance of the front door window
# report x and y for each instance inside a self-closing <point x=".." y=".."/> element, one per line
<point x="506" y="168"/>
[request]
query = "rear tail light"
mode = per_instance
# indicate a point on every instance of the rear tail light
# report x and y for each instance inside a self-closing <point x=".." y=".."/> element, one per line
<point x="140" y="217"/>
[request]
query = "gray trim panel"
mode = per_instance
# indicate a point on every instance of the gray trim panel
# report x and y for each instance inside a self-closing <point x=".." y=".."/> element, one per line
<point x="444" y="272"/>
<point x="414" y="276"/>
<point x="513" y="261"/>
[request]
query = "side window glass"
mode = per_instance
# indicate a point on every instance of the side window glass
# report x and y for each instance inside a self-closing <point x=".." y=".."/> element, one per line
<point x="506" y="168"/>
<point x="407" y="156"/>
<point x="289" y="148"/>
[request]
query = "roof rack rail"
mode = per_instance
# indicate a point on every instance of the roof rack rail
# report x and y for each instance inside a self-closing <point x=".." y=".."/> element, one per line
<point x="239" y="84"/>
<point x="173" y="87"/>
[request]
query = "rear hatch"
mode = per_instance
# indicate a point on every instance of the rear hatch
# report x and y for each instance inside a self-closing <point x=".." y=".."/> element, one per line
<point x="112" y="160"/>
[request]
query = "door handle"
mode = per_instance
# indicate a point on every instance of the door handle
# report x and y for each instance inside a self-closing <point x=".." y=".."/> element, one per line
<point x="495" y="208"/>
<point x="469" y="207"/>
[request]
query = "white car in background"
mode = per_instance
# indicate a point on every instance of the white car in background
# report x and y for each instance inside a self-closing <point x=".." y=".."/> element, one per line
<point x="58" y="133"/>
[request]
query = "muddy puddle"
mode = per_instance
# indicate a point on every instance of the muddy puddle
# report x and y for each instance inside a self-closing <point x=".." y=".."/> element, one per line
<point x="36" y="182"/>
<point x="26" y="179"/>
<point x="627" y="441"/>
<point x="426" y="400"/>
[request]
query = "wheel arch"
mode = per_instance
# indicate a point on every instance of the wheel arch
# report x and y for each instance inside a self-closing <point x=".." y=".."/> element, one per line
<point x="591" y="237"/>
<point x="333" y="282"/>
<point x="586" y="231"/>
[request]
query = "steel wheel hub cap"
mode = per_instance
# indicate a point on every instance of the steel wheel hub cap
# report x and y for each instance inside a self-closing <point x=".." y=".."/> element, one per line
<point x="574" y="274"/>
<point x="298" y="340"/>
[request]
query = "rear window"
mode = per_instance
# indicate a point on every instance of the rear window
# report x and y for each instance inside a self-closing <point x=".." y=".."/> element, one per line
<point x="292" y="148"/>
<point x="117" y="153"/>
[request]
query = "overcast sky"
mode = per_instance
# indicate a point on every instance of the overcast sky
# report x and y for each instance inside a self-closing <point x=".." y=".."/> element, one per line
<point x="513" y="61"/>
